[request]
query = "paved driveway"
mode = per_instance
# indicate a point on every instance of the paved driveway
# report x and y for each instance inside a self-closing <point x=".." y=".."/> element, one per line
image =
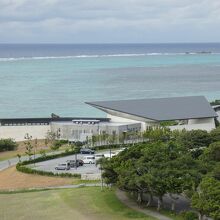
<point x="49" y="165"/>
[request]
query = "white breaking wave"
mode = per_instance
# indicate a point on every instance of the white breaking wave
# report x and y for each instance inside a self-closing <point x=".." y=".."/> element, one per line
<point x="104" y="55"/>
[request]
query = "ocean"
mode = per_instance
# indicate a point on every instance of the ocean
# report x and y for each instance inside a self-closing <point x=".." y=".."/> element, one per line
<point x="39" y="79"/>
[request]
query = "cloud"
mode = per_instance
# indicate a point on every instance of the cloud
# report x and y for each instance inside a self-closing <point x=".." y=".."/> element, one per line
<point x="108" y="21"/>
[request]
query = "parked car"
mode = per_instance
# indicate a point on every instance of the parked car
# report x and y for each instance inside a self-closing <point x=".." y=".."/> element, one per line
<point x="80" y="162"/>
<point x="74" y="163"/>
<point x="98" y="156"/>
<point x="89" y="159"/>
<point x="87" y="151"/>
<point x="63" y="166"/>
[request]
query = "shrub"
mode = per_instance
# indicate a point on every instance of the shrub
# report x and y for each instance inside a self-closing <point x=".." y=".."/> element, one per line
<point x="78" y="143"/>
<point x="62" y="142"/>
<point x="194" y="139"/>
<point x="43" y="153"/>
<point x="7" y="145"/>
<point x="47" y="157"/>
<point x="190" y="215"/>
<point x="24" y="169"/>
<point x="215" y="134"/>
<point x="56" y="145"/>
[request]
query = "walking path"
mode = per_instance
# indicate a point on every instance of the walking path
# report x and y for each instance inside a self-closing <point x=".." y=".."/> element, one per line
<point x="58" y="187"/>
<point x="133" y="205"/>
<point x="4" y="164"/>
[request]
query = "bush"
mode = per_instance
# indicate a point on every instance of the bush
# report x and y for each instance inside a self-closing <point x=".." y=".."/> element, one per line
<point x="56" y="145"/>
<point x="47" y="157"/>
<point x="194" y="139"/>
<point x="190" y="215"/>
<point x="78" y="143"/>
<point x="7" y="145"/>
<point x="215" y="134"/>
<point x="62" y="142"/>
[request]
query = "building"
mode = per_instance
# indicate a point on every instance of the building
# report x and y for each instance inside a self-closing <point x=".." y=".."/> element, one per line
<point x="217" y="110"/>
<point x="193" y="112"/>
<point x="82" y="129"/>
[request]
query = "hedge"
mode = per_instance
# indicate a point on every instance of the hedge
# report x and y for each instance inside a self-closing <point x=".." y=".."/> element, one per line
<point x="48" y="157"/>
<point x="112" y="146"/>
<point x="25" y="169"/>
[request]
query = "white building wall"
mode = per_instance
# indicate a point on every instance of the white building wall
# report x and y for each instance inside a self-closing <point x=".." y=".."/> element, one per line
<point x="144" y="124"/>
<point x="18" y="132"/>
<point x="193" y="124"/>
<point x="218" y="113"/>
<point x="202" y="123"/>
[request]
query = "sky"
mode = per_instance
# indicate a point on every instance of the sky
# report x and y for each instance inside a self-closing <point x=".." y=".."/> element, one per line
<point x="109" y="21"/>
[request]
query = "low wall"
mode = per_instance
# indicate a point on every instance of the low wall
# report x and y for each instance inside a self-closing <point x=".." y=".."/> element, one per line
<point x="18" y="132"/>
<point x="205" y="126"/>
<point x="91" y="176"/>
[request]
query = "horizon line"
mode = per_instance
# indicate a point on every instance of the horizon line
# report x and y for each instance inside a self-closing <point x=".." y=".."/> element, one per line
<point x="107" y="43"/>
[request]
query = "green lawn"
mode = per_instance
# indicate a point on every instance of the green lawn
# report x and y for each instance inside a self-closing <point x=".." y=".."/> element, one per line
<point x="67" y="204"/>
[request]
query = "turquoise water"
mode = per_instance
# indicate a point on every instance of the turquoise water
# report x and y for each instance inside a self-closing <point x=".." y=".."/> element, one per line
<point x="36" y="87"/>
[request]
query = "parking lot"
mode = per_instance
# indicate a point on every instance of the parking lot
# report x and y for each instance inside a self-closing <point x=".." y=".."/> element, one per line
<point x="50" y="165"/>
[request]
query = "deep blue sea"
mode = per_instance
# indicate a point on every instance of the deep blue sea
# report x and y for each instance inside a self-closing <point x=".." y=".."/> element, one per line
<point x="36" y="80"/>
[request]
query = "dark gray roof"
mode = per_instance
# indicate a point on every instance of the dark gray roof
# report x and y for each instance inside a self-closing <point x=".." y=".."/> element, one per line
<point x="162" y="109"/>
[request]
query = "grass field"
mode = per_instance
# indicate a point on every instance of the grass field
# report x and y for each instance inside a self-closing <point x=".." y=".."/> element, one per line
<point x="10" y="178"/>
<point x="87" y="203"/>
<point x="21" y="149"/>
<point x="40" y="145"/>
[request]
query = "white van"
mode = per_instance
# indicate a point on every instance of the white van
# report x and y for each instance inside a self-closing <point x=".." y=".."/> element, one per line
<point x="89" y="159"/>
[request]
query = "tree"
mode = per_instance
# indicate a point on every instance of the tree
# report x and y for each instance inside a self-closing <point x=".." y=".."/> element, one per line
<point x="215" y="134"/>
<point x="169" y="168"/>
<point x="28" y="145"/>
<point x="7" y="145"/>
<point x="212" y="153"/>
<point x="182" y="175"/>
<point x="72" y="147"/>
<point x="194" y="139"/>
<point x="206" y="200"/>
<point x="42" y="153"/>
<point x="157" y="134"/>
<point x="51" y="136"/>
<point x="94" y="139"/>
<point x="155" y="168"/>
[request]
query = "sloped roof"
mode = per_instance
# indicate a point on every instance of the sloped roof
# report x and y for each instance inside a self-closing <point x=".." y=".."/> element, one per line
<point x="161" y="109"/>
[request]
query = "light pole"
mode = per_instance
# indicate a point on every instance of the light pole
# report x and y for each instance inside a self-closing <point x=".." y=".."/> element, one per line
<point x="101" y="177"/>
<point x="76" y="161"/>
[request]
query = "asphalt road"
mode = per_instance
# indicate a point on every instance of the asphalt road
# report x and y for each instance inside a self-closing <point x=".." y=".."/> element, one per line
<point x="50" y="165"/>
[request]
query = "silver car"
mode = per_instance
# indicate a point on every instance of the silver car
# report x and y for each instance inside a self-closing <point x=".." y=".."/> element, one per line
<point x="63" y="166"/>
